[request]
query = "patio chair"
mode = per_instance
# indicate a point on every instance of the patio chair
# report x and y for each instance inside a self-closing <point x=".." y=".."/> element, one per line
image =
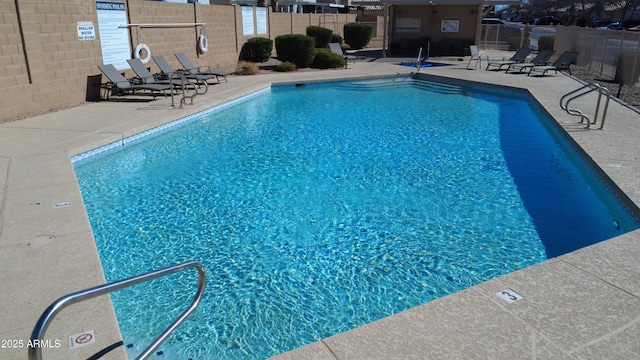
<point x="541" y="59"/>
<point x="477" y="56"/>
<point x="562" y="63"/>
<point x="337" y="49"/>
<point x="167" y="71"/>
<point x="144" y="76"/>
<point x="194" y="70"/>
<point x="120" y="85"/>
<point x="519" y="57"/>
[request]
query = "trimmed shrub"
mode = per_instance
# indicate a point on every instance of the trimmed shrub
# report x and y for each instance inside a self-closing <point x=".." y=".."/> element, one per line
<point x="514" y="43"/>
<point x="357" y="35"/>
<point x="325" y="59"/>
<point x="322" y="35"/>
<point x="296" y="48"/>
<point x="285" y="67"/>
<point x="257" y="49"/>
<point x="546" y="43"/>
<point x="335" y="38"/>
<point x="247" y="68"/>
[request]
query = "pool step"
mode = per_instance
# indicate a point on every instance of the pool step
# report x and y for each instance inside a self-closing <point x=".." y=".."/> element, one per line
<point x="374" y="85"/>
<point x="427" y="85"/>
<point x="438" y="87"/>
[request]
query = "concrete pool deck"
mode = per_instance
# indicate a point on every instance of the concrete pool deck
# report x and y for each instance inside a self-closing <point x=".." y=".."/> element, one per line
<point x="583" y="305"/>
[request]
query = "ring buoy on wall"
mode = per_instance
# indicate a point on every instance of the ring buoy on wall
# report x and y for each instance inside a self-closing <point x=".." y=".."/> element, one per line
<point x="203" y="43"/>
<point x="139" y="48"/>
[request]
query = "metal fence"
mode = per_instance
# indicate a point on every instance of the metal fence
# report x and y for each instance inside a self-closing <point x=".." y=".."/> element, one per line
<point x="612" y="54"/>
<point x="495" y="36"/>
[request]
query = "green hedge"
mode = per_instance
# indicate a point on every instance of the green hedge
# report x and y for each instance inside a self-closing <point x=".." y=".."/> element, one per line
<point x="285" y="67"/>
<point x="546" y="43"/>
<point x="296" y="48"/>
<point x="335" y="38"/>
<point x="325" y="59"/>
<point x="357" y="35"/>
<point x="322" y="35"/>
<point x="257" y="49"/>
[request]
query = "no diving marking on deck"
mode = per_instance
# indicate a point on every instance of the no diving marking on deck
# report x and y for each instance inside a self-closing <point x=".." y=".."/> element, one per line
<point x="509" y="295"/>
<point x="82" y="339"/>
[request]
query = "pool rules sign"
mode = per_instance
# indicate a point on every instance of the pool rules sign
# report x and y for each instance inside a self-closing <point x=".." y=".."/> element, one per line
<point x="114" y="38"/>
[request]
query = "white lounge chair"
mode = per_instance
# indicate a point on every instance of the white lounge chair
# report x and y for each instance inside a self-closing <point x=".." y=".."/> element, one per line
<point x="477" y="56"/>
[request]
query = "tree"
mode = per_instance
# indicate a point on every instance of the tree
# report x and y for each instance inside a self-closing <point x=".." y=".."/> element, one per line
<point x="581" y="12"/>
<point x="628" y="7"/>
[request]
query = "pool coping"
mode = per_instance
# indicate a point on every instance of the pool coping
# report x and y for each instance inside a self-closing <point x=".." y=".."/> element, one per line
<point x="581" y="305"/>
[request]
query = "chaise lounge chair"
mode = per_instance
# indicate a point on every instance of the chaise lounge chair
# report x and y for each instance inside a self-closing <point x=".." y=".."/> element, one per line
<point x="477" y="56"/>
<point x="144" y="76"/>
<point x="337" y="49"/>
<point x="541" y="59"/>
<point x="519" y="57"/>
<point x="120" y="85"/>
<point x="562" y="63"/>
<point x="167" y="71"/>
<point x="192" y="69"/>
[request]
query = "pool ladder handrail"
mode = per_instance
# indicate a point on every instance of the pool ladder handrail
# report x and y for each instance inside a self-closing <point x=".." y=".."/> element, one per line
<point x="586" y="89"/>
<point x="185" y="81"/>
<point x="35" y="353"/>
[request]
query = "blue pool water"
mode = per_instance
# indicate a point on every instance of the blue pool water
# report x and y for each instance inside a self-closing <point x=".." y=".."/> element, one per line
<point x="319" y="208"/>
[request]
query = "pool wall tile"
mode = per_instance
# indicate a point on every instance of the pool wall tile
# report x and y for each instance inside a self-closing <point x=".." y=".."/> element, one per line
<point x="162" y="128"/>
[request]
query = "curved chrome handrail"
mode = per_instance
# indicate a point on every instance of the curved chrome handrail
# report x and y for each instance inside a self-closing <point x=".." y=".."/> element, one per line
<point x="186" y="81"/>
<point x="35" y="352"/>
<point x="591" y="87"/>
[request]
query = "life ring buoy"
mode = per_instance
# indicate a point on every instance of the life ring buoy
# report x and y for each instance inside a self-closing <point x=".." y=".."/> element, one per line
<point x="203" y="43"/>
<point x="139" y="48"/>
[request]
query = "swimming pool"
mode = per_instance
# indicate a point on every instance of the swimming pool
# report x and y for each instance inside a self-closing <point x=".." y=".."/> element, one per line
<point x="379" y="196"/>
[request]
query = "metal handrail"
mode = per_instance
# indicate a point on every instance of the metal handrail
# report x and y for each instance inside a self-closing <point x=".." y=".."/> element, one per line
<point x="588" y="88"/>
<point x="185" y="80"/>
<point x="35" y="352"/>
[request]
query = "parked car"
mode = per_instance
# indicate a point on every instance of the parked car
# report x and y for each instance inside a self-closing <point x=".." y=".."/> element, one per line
<point x="602" y="24"/>
<point x="548" y="20"/>
<point x="612" y="26"/>
<point x="627" y="24"/>
<point x="494" y="21"/>
<point x="545" y="20"/>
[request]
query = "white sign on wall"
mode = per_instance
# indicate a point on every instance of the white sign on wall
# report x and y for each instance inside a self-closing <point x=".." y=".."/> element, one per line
<point x="261" y="20"/>
<point x="247" y="21"/>
<point x="86" y="31"/>
<point x="450" y="26"/>
<point x="114" y="40"/>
